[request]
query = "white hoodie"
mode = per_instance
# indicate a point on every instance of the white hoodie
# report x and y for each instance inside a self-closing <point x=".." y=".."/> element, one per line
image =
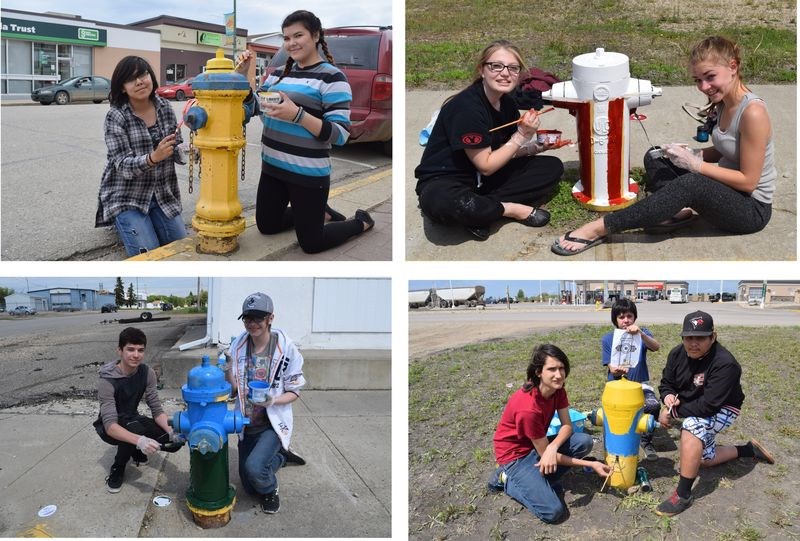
<point x="285" y="374"/>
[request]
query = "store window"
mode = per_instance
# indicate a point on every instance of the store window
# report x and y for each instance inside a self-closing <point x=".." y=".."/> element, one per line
<point x="175" y="72"/>
<point x="18" y="62"/>
<point x="81" y="60"/>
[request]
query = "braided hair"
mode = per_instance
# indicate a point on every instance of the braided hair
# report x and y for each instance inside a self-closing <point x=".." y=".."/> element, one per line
<point x="311" y="23"/>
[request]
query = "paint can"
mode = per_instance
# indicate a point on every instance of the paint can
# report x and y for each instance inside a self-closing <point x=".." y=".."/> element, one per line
<point x="702" y="134"/>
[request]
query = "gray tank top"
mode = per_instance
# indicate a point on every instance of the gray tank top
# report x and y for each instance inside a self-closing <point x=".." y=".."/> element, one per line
<point x="727" y="143"/>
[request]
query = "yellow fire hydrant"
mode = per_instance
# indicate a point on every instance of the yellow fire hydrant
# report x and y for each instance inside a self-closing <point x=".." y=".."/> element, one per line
<point x="217" y="118"/>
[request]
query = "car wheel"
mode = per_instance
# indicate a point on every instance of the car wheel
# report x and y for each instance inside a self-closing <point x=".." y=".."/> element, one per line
<point x="62" y="98"/>
<point x="97" y="101"/>
<point x="146" y="316"/>
<point x="180" y="96"/>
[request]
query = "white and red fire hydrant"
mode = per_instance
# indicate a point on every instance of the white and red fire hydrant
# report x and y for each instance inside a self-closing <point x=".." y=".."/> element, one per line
<point x="602" y="95"/>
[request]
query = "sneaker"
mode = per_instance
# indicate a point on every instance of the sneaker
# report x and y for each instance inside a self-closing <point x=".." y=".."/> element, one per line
<point x="114" y="479"/>
<point x="270" y="503"/>
<point x="292" y="458"/>
<point x="650" y="453"/>
<point x="497" y="483"/>
<point x="674" y="505"/>
<point x="760" y="453"/>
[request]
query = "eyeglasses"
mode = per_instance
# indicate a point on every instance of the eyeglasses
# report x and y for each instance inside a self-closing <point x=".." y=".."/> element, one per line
<point x="140" y="78"/>
<point x="498" y="67"/>
<point x="253" y="319"/>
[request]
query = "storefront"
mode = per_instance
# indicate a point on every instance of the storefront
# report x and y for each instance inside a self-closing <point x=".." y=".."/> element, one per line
<point x="40" y="50"/>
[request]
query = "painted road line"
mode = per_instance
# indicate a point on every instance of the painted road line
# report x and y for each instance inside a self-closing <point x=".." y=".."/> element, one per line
<point x="360" y="183"/>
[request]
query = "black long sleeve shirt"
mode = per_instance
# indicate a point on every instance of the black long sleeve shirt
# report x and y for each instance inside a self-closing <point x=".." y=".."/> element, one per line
<point x="703" y="385"/>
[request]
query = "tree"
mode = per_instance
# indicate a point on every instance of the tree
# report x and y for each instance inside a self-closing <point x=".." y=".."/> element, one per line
<point x="5" y="292"/>
<point x="191" y="299"/>
<point x="131" y="300"/>
<point x="119" y="292"/>
<point x="520" y="296"/>
<point x="203" y="298"/>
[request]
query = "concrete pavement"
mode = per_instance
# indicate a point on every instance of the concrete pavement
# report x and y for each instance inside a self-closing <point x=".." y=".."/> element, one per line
<point x="51" y="455"/>
<point x="665" y="122"/>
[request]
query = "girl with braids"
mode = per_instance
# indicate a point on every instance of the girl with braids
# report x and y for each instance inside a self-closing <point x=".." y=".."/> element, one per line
<point x="313" y="115"/>
<point x="736" y="196"/>
<point x="472" y="176"/>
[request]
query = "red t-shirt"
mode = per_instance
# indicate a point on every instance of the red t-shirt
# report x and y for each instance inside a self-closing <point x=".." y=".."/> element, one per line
<point x="526" y="417"/>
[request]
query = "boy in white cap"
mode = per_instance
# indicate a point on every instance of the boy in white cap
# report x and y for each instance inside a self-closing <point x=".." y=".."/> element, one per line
<point x="701" y="383"/>
<point x="264" y="353"/>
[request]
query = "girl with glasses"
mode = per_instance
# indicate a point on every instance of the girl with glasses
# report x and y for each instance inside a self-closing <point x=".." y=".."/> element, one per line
<point x="139" y="189"/>
<point x="473" y="177"/>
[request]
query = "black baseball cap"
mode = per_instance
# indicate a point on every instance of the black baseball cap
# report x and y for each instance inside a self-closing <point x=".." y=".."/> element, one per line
<point x="698" y="324"/>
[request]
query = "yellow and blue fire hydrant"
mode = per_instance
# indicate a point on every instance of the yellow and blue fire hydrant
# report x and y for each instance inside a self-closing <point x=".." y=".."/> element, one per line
<point x="623" y="420"/>
<point x="206" y="424"/>
<point x="217" y="118"/>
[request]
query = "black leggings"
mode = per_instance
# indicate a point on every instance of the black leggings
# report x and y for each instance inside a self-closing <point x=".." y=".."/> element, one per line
<point x="456" y="200"/>
<point x="722" y="206"/>
<point x="306" y="215"/>
<point x="141" y="425"/>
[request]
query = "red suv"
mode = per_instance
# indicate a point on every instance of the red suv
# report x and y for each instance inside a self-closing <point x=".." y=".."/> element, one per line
<point x="364" y="54"/>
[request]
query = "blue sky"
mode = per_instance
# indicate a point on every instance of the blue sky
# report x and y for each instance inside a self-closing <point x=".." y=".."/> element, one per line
<point x="257" y="16"/>
<point x="497" y="288"/>
<point x="149" y="285"/>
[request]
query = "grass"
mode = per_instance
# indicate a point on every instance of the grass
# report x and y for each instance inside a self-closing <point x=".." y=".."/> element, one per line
<point x="443" y="40"/>
<point x="456" y="398"/>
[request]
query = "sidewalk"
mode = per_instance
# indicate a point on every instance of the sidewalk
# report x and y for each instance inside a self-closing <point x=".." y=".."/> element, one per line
<point x="372" y="192"/>
<point x="665" y="122"/>
<point x="51" y="455"/>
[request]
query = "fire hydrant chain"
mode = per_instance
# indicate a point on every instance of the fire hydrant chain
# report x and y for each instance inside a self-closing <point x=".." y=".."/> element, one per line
<point x="244" y="148"/>
<point x="191" y="161"/>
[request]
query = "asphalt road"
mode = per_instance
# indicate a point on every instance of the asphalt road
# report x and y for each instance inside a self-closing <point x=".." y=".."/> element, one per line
<point x="53" y="158"/>
<point x="59" y="354"/>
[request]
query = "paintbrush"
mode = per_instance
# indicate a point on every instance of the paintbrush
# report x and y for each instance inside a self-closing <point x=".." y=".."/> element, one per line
<point x="517" y="121"/>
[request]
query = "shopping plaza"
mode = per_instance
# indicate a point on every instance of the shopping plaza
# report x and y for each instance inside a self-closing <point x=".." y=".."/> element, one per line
<point x="40" y="49"/>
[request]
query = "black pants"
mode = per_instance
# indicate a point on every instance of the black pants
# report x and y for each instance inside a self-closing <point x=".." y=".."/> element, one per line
<point x="141" y="425"/>
<point x="722" y="206"/>
<point x="455" y="200"/>
<point x="306" y="215"/>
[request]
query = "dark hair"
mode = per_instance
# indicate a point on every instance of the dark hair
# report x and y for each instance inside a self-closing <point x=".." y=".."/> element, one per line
<point x="128" y="69"/>
<point x="311" y="23"/>
<point x="620" y="307"/>
<point x="538" y="358"/>
<point x="132" y="335"/>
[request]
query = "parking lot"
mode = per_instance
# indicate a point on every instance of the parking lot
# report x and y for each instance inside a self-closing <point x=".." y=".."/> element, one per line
<point x="53" y="158"/>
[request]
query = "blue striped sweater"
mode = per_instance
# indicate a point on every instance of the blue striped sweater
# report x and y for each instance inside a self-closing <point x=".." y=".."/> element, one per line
<point x="289" y="151"/>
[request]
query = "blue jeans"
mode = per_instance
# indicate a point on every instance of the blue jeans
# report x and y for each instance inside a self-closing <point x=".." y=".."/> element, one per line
<point x="142" y="232"/>
<point x="526" y="484"/>
<point x="259" y="459"/>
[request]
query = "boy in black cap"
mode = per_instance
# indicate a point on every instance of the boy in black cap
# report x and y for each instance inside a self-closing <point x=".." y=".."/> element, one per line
<point x="701" y="383"/>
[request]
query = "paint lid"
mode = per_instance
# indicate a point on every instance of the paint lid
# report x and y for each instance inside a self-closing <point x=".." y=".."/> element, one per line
<point x="162" y="501"/>
<point x="47" y="510"/>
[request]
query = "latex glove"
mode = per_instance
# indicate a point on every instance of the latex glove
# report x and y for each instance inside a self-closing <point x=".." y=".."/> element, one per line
<point x="685" y="158"/>
<point x="529" y="124"/>
<point x="266" y="403"/>
<point x="147" y="446"/>
<point x="183" y="151"/>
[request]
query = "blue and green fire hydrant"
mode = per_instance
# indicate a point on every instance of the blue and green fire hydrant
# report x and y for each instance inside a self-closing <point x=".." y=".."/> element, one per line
<point x="206" y="424"/>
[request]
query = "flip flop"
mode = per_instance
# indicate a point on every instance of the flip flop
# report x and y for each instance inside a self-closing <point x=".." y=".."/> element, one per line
<point x="556" y="248"/>
<point x="671" y="225"/>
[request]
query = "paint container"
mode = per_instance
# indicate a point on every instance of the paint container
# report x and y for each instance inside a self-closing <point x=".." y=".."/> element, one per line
<point x="47" y="510"/>
<point x="258" y="391"/>
<point x="702" y="134"/>
<point x="642" y="479"/>
<point x="548" y="137"/>
<point x="162" y="501"/>
<point x="269" y="98"/>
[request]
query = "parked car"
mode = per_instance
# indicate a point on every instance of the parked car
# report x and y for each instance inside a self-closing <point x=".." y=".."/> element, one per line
<point x="179" y="90"/>
<point x="752" y="301"/>
<point x="728" y="297"/>
<point x="166" y="306"/>
<point x="108" y="308"/>
<point x="364" y="54"/>
<point x="84" y="88"/>
<point x="22" y="311"/>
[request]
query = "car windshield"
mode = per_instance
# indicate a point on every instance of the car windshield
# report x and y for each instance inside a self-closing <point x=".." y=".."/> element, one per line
<point x="348" y="51"/>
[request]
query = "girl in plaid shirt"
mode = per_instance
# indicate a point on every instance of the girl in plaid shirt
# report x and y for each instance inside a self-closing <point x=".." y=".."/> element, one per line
<point x="139" y="189"/>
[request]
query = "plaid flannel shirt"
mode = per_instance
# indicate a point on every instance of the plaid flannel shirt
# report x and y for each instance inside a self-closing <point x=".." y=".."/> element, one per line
<point x="129" y="182"/>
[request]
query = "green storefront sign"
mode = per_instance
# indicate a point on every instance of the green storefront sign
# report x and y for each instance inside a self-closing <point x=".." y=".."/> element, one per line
<point x="61" y="33"/>
<point x="209" y="38"/>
